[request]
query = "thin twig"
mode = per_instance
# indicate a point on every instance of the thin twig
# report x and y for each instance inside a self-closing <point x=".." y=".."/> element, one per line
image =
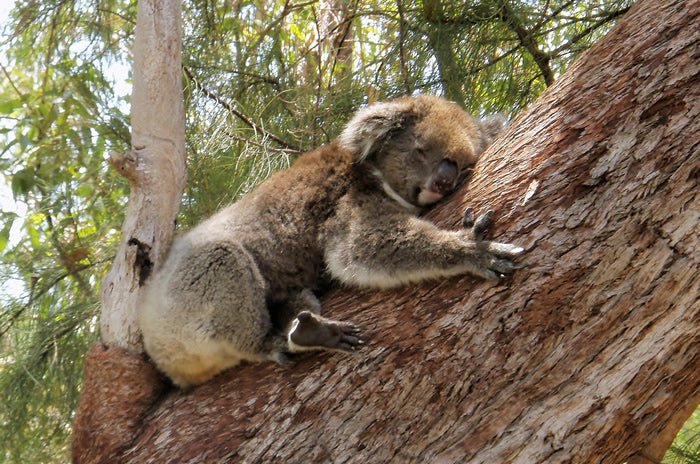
<point x="527" y="40"/>
<point x="402" y="51"/>
<point x="12" y="84"/>
<point x="33" y="298"/>
<point x="250" y="123"/>
<point x="588" y="30"/>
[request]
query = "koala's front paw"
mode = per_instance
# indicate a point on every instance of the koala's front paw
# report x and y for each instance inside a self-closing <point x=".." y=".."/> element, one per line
<point x="311" y="331"/>
<point x="494" y="260"/>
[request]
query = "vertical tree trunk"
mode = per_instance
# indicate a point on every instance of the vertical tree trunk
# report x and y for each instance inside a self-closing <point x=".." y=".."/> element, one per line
<point x="584" y="356"/>
<point x="118" y="382"/>
<point x="441" y="41"/>
<point x="155" y="167"/>
<point x="336" y="41"/>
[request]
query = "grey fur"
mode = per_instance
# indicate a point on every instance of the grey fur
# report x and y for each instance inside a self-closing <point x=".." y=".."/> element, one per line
<point x="240" y="285"/>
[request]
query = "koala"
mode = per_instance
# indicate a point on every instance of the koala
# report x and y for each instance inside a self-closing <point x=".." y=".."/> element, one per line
<point x="242" y="285"/>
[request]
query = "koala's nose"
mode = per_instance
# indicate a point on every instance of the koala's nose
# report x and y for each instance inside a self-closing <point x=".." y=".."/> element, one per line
<point x="445" y="176"/>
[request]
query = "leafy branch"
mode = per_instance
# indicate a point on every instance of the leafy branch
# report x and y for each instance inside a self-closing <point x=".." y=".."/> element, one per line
<point x="246" y="120"/>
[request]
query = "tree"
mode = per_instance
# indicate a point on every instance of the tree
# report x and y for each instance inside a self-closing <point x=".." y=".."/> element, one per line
<point x="255" y="96"/>
<point x="155" y="168"/>
<point x="589" y="354"/>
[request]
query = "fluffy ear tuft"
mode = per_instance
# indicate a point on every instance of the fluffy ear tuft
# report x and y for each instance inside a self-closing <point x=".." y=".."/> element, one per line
<point x="368" y="129"/>
<point x="493" y="125"/>
<point x="490" y="127"/>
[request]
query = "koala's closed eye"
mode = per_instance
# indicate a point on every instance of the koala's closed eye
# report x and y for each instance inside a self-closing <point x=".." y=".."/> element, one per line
<point x="241" y="285"/>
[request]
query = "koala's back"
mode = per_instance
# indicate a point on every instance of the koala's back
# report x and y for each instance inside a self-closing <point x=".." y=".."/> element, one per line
<point x="220" y="276"/>
<point x="280" y="222"/>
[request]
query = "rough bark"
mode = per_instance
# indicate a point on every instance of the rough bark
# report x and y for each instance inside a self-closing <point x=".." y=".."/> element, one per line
<point x="119" y="387"/>
<point x="155" y="167"/>
<point x="584" y="356"/>
<point x="657" y="445"/>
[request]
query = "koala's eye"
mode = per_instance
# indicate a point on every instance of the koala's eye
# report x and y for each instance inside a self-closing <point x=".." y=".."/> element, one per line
<point x="467" y="167"/>
<point x="421" y="154"/>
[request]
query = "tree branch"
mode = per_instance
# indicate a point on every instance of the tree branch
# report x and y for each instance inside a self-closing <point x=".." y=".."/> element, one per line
<point x="527" y="40"/>
<point x="576" y="38"/>
<point x="12" y="84"/>
<point x="402" y="51"/>
<point x="246" y="120"/>
<point x="35" y="296"/>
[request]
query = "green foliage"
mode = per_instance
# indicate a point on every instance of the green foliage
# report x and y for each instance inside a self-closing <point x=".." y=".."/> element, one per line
<point x="686" y="447"/>
<point x="58" y="118"/>
<point x="264" y="80"/>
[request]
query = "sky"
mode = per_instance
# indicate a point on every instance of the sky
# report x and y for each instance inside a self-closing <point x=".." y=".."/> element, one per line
<point x="5" y="7"/>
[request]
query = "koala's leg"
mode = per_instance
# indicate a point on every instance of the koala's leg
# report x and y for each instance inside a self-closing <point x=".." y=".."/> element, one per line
<point x="284" y="311"/>
<point x="305" y="300"/>
<point x="205" y="312"/>
<point x="387" y="251"/>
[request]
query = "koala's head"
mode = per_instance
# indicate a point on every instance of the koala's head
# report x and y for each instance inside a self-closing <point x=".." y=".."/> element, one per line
<point x="420" y="147"/>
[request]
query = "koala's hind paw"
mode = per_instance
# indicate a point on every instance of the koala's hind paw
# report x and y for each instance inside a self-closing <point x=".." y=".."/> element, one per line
<point x="312" y="332"/>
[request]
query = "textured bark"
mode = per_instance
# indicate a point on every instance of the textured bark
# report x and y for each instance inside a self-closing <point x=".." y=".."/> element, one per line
<point x="657" y="445"/>
<point x="584" y="356"/>
<point x="120" y="386"/>
<point x="155" y="167"/>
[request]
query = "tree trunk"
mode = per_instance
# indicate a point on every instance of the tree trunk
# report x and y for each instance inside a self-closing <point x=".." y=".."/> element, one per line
<point x="336" y="41"/>
<point x="440" y="38"/>
<point x="119" y="386"/>
<point x="155" y="167"/>
<point x="584" y="356"/>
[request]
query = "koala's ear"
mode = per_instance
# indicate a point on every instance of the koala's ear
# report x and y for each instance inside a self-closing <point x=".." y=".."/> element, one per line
<point x="493" y="125"/>
<point x="490" y="127"/>
<point x="370" y="126"/>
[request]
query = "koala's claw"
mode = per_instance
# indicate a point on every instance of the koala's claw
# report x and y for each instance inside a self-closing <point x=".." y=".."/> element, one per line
<point x="468" y="218"/>
<point x="479" y="225"/>
<point x="498" y="263"/>
<point x="505" y="250"/>
<point x="349" y="344"/>
<point x="350" y="338"/>
<point x="483" y="224"/>
<point x="495" y="260"/>
<point x="503" y="266"/>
